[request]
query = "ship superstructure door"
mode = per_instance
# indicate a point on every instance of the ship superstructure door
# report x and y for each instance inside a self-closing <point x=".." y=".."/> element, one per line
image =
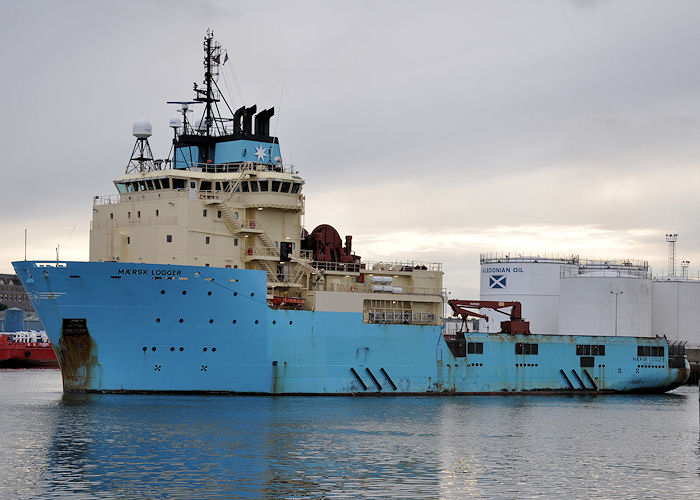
<point x="193" y="189"/>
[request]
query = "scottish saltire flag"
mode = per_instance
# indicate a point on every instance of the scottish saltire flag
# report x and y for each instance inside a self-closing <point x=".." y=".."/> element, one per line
<point x="497" y="281"/>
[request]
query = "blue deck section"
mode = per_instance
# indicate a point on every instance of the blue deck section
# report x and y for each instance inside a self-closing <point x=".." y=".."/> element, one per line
<point x="201" y="329"/>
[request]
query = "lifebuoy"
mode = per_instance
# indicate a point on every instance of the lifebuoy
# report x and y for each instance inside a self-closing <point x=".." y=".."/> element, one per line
<point x="352" y="288"/>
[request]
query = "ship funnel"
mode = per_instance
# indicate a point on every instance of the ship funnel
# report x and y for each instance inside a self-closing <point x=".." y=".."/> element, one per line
<point x="248" y="119"/>
<point x="237" y="120"/>
<point x="262" y="122"/>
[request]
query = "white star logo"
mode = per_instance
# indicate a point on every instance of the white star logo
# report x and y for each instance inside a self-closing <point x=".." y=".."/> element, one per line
<point x="260" y="153"/>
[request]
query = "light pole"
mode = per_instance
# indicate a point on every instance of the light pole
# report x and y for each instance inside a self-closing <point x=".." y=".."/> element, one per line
<point x="617" y="294"/>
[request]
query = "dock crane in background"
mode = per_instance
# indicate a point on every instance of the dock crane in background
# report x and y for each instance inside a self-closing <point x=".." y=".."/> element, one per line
<point x="515" y="325"/>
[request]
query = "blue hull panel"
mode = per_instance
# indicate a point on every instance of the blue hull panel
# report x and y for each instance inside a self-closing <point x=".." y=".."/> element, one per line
<point x="145" y="327"/>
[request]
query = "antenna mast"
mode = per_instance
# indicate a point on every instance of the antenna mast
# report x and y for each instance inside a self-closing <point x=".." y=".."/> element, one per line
<point x="141" y="156"/>
<point x="209" y="96"/>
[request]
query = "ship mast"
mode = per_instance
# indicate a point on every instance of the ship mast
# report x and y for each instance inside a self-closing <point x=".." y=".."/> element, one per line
<point x="208" y="78"/>
<point x="209" y="95"/>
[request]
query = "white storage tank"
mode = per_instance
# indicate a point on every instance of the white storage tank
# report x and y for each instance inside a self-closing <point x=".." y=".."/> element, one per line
<point x="676" y="309"/>
<point x="530" y="280"/>
<point x="595" y="304"/>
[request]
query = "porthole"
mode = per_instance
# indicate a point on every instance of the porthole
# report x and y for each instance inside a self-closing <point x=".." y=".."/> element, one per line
<point x="252" y="294"/>
<point x="182" y="349"/>
<point x="145" y="348"/>
<point x="211" y="321"/>
<point x="213" y="349"/>
<point x="181" y="320"/>
<point x="208" y="293"/>
<point x="184" y="292"/>
<point x="235" y="293"/>
<point x="172" y="349"/>
<point x="274" y="322"/>
<point x="234" y="321"/>
<point x="204" y="349"/>
<point x="153" y="349"/>
<point x="162" y="292"/>
<point x="256" y="321"/>
<point x="157" y="320"/>
<point x="290" y="322"/>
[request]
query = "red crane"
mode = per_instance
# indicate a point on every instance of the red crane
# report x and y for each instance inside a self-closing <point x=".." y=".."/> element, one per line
<point x="516" y="324"/>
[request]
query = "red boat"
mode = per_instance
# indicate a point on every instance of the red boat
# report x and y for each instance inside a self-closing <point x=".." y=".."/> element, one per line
<point x="26" y="350"/>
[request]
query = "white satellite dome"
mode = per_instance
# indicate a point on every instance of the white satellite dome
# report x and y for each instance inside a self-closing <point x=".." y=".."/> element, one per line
<point x="142" y="129"/>
<point x="175" y="122"/>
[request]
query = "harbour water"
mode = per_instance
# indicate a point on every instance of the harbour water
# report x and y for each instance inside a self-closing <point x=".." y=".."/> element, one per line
<point x="133" y="446"/>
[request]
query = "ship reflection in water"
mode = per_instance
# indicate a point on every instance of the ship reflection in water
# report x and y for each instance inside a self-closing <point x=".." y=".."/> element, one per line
<point x="314" y="447"/>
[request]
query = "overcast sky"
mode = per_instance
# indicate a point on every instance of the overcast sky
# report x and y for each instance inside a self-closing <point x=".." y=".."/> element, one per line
<point x="430" y="130"/>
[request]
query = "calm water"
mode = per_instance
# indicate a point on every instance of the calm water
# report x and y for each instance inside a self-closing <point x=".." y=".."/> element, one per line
<point x="420" y="447"/>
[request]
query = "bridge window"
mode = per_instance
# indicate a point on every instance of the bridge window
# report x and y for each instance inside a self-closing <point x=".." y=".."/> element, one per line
<point x="178" y="183"/>
<point x="166" y="183"/>
<point x="205" y="186"/>
<point x="254" y="186"/>
<point x="244" y="187"/>
<point x="285" y="187"/>
<point x="590" y="350"/>
<point x="649" y="350"/>
<point x="475" y="348"/>
<point x="149" y="184"/>
<point x="296" y="187"/>
<point x="275" y="186"/>
<point x="527" y="349"/>
<point x="263" y="185"/>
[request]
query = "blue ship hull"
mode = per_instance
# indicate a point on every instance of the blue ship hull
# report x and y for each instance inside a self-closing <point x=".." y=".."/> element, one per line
<point x="156" y="328"/>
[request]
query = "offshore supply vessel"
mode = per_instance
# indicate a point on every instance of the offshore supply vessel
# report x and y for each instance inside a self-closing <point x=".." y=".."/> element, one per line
<point x="202" y="279"/>
<point x="26" y="349"/>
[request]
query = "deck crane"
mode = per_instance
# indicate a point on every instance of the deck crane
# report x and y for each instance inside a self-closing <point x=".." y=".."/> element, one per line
<point x="515" y="325"/>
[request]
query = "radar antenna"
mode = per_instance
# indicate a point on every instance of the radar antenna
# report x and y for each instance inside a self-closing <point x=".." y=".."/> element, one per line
<point x="184" y="109"/>
<point x="142" y="156"/>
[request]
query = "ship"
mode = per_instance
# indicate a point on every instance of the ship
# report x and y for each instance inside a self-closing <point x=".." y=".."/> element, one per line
<point x="26" y="349"/>
<point x="202" y="279"/>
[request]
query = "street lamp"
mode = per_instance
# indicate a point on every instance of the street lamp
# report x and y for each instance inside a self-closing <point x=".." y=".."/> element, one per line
<point x="617" y="294"/>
